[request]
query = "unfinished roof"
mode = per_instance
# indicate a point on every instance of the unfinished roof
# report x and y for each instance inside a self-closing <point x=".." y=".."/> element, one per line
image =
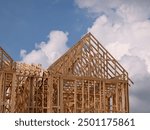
<point x="87" y="78"/>
<point x="88" y="58"/>
<point x="6" y="62"/>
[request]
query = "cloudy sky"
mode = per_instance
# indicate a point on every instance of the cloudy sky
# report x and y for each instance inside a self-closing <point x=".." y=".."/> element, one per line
<point x="39" y="31"/>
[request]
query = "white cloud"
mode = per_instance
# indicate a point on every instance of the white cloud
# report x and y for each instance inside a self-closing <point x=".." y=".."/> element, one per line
<point x="46" y="53"/>
<point x="123" y="27"/>
<point x="98" y="6"/>
<point x="116" y="49"/>
<point x="139" y="9"/>
<point x="136" y="66"/>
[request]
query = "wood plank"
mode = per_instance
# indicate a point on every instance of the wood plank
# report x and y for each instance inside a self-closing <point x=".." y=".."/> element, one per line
<point x="49" y="94"/>
<point x="83" y="95"/>
<point x="61" y="96"/>
<point x="75" y="96"/>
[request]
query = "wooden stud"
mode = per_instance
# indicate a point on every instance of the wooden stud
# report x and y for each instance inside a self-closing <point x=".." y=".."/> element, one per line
<point x="49" y="96"/>
<point x="94" y="96"/>
<point x="61" y="96"/>
<point x="1" y="92"/>
<point x="12" y="93"/>
<point x="100" y="96"/>
<point x="104" y="97"/>
<point x="116" y="93"/>
<point x="83" y="93"/>
<point x="75" y="96"/>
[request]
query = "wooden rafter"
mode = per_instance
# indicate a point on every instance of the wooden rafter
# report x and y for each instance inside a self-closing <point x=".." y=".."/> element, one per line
<point x="89" y="58"/>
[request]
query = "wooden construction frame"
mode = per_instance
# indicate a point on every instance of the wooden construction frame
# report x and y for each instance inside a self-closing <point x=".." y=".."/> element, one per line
<point x="87" y="78"/>
<point x="7" y="71"/>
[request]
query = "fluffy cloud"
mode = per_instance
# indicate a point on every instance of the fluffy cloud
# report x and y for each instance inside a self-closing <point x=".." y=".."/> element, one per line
<point x="98" y="6"/>
<point x="139" y="9"/>
<point x="123" y="27"/>
<point x="139" y="93"/>
<point x="46" y="53"/>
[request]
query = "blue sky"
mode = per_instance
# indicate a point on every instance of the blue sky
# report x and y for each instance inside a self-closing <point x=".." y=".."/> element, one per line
<point x="26" y="22"/>
<point x="40" y="31"/>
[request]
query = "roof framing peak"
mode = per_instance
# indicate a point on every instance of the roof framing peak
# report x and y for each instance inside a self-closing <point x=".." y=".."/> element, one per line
<point x="88" y="58"/>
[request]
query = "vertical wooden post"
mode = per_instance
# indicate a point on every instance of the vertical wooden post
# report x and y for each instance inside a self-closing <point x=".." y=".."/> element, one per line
<point x="1" y="87"/>
<point x="127" y="97"/>
<point x="61" y="96"/>
<point x="31" y="95"/>
<point x="3" y="92"/>
<point x="58" y="98"/>
<point x="123" y="98"/>
<point x="108" y="104"/>
<point x="35" y="96"/>
<point x="49" y="94"/>
<point x="94" y="96"/>
<point x="88" y="95"/>
<point x="100" y="97"/>
<point x="42" y="94"/>
<point x="75" y="95"/>
<point x="13" y="93"/>
<point x="125" y="92"/>
<point x="82" y="95"/>
<point x="117" y="103"/>
<point x="1" y="57"/>
<point x="104" y="97"/>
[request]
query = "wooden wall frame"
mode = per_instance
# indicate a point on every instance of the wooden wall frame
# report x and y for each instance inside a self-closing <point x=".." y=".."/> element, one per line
<point x="87" y="78"/>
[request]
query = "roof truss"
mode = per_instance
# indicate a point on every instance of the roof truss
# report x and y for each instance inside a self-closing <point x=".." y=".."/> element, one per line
<point x="88" y="58"/>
